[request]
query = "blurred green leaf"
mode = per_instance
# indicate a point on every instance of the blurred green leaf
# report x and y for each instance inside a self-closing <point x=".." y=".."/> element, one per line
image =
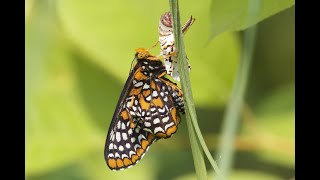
<point x="273" y="126"/>
<point x="275" y="112"/>
<point x="237" y="175"/>
<point x="213" y="69"/>
<point x="57" y="125"/>
<point x="92" y="166"/>
<point x="234" y="15"/>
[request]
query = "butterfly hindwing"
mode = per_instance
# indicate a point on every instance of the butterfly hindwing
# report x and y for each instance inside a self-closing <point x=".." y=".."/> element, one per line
<point x="161" y="118"/>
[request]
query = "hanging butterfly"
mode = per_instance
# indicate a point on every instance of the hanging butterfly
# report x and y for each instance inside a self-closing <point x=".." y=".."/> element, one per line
<point x="147" y="110"/>
<point x="166" y="40"/>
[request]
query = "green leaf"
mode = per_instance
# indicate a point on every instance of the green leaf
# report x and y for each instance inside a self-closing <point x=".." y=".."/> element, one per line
<point x="234" y="15"/>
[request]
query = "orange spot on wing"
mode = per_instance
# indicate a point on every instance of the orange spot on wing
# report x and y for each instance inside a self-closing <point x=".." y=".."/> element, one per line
<point x="119" y="163"/>
<point x="140" y="151"/>
<point x="112" y="163"/>
<point x="150" y="137"/>
<point x="127" y="162"/>
<point x="174" y="115"/>
<point x="157" y="102"/>
<point x="161" y="135"/>
<point x="135" y="91"/>
<point x="139" y="75"/>
<point x="146" y="93"/>
<point x="132" y="125"/>
<point x="144" y="144"/>
<point x="125" y="115"/>
<point x="153" y="85"/>
<point x="144" y="104"/>
<point x="134" y="158"/>
<point x="171" y="130"/>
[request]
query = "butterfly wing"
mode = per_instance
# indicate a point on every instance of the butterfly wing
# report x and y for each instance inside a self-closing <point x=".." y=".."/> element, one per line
<point x="160" y="114"/>
<point x="146" y="111"/>
<point x="126" y="142"/>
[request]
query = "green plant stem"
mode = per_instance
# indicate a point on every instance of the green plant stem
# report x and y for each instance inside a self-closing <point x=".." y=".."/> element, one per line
<point x="196" y="138"/>
<point x="232" y="114"/>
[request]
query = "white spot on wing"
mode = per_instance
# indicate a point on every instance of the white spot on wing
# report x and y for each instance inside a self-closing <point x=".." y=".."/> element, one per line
<point x="156" y="121"/>
<point x="140" y="137"/>
<point x="147" y="124"/>
<point x="110" y="146"/>
<point x="128" y="104"/>
<point x="110" y="155"/>
<point x="133" y="139"/>
<point x="157" y="129"/>
<point x="123" y="126"/>
<point x="137" y="130"/>
<point x="131" y="153"/>
<point x="136" y="146"/>
<point x="165" y="119"/>
<point x="154" y="93"/>
<point x="146" y="86"/>
<point x="162" y="110"/>
<point x="124" y="136"/>
<point x="168" y="125"/>
<point x="118" y="136"/>
<point x="140" y="83"/>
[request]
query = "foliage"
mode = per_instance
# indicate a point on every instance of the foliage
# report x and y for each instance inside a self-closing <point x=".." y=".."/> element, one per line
<point x="78" y="55"/>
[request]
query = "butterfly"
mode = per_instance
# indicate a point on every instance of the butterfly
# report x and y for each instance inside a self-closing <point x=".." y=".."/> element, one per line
<point x="166" y="40"/>
<point x="147" y="110"/>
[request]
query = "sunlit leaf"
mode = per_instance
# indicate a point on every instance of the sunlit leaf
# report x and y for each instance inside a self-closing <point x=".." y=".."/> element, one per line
<point x="234" y="15"/>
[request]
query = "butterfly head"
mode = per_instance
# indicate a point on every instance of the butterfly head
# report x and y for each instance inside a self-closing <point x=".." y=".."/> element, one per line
<point x="144" y="54"/>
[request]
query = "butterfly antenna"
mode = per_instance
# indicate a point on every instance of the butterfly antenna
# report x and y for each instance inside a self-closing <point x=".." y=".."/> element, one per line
<point x="131" y="64"/>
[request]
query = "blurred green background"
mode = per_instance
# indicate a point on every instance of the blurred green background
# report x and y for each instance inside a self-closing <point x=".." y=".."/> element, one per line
<point x="78" y="56"/>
